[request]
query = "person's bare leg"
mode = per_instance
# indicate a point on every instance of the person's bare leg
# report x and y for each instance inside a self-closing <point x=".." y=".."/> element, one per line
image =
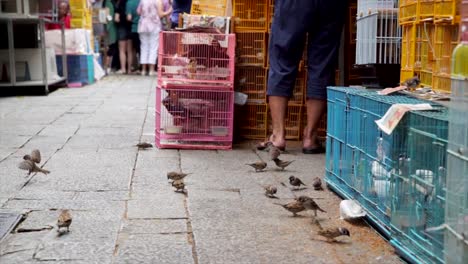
<point x="123" y="55"/>
<point x="278" y="106"/>
<point x="315" y="109"/>
<point x="130" y="55"/>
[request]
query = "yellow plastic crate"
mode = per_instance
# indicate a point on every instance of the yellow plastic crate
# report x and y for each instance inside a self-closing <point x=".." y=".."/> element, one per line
<point x="446" y="11"/>
<point x="426" y="9"/>
<point x="78" y="4"/>
<point x="408" y="11"/>
<point x="446" y="39"/>
<point x="426" y="78"/>
<point x="426" y="45"/>
<point x="408" y="47"/>
<point x="80" y="13"/>
<point x="250" y="15"/>
<point x="77" y="23"/>
<point x="209" y="7"/>
<point x="441" y="83"/>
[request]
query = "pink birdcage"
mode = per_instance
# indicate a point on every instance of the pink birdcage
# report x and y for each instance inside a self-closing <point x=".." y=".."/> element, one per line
<point x="190" y="117"/>
<point x="196" y="58"/>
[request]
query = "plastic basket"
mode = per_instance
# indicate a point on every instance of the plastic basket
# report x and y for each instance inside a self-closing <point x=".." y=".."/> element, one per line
<point x="209" y="7"/>
<point x="196" y="58"/>
<point x="251" y="49"/>
<point x="426" y="9"/>
<point x="446" y="39"/>
<point x="194" y="118"/>
<point x="78" y="4"/>
<point x="252" y="81"/>
<point x="80" y="68"/>
<point x="408" y="11"/>
<point x="446" y="11"/>
<point x="250" y="15"/>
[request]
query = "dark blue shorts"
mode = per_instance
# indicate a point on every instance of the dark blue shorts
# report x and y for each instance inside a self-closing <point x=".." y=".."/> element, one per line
<point x="322" y="20"/>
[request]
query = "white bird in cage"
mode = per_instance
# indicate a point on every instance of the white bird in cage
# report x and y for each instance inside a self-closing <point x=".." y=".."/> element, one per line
<point x="381" y="188"/>
<point x="379" y="171"/>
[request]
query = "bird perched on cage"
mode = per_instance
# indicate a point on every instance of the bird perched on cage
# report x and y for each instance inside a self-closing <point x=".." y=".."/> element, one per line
<point x="310" y="204"/>
<point x="191" y="68"/>
<point x="175" y="176"/>
<point x="273" y="151"/>
<point x="64" y="220"/>
<point x="411" y="83"/>
<point x="144" y="145"/>
<point x="332" y="233"/>
<point x="293" y="207"/>
<point x="258" y="166"/>
<point x="270" y="191"/>
<point x="317" y="184"/>
<point x="296" y="182"/>
<point x="282" y="163"/>
<point x="179" y="185"/>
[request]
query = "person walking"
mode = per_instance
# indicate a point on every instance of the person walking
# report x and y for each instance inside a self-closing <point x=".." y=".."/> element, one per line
<point x="149" y="26"/>
<point x="133" y="18"/>
<point x="125" y="43"/>
<point x="322" y="21"/>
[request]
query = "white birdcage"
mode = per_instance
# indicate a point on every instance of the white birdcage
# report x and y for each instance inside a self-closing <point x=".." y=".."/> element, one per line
<point x="378" y="33"/>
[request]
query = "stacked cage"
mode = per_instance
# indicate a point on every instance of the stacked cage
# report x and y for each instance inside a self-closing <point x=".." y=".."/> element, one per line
<point x="194" y="96"/>
<point x="81" y="14"/>
<point x="378" y="42"/>
<point x="210" y="7"/>
<point x="430" y="34"/>
<point x="399" y="179"/>
<point x="251" y="25"/>
<point x="456" y="214"/>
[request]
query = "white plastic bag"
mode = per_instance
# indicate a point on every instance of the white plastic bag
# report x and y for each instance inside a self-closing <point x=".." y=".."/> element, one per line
<point x="350" y="209"/>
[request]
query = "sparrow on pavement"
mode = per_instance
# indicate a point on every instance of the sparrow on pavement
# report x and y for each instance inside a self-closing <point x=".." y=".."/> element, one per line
<point x="174" y="176"/>
<point x="296" y="182"/>
<point x="310" y="204"/>
<point x="331" y="233"/>
<point x="293" y="207"/>
<point x="144" y="145"/>
<point x="270" y="191"/>
<point x="282" y="163"/>
<point x="64" y="220"/>
<point x="317" y="184"/>
<point x="258" y="166"/>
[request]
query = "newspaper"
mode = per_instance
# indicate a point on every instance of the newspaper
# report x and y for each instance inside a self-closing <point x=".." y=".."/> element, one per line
<point x="395" y="113"/>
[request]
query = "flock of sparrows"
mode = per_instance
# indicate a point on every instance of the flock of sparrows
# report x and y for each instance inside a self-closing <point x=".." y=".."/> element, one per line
<point x="301" y="203"/>
<point x="30" y="163"/>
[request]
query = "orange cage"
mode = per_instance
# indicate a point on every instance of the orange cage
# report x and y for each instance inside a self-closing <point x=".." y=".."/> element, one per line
<point x="446" y="11"/>
<point x="446" y="39"/>
<point x="254" y="122"/>
<point x="426" y="52"/>
<point x="410" y="64"/>
<point x="250" y="15"/>
<point x="252" y="81"/>
<point x="251" y="49"/>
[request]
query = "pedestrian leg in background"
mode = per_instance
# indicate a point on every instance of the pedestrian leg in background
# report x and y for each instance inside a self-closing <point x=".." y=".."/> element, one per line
<point x="153" y="52"/>
<point x="123" y="56"/>
<point x="287" y="39"/>
<point x="323" y="43"/>
<point x="144" y="51"/>
<point x="130" y="55"/>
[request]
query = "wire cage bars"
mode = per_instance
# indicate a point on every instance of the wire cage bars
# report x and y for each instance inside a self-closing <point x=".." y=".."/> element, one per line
<point x="378" y="33"/>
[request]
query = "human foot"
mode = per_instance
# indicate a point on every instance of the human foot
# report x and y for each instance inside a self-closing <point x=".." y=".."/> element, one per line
<point x="280" y="144"/>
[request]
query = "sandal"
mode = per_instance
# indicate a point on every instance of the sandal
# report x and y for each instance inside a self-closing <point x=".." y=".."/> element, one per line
<point x="263" y="145"/>
<point x="316" y="150"/>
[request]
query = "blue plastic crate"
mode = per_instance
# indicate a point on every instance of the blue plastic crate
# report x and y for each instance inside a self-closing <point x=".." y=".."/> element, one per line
<point x="80" y="68"/>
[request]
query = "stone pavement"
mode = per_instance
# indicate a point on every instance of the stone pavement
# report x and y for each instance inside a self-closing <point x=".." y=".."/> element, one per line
<point x="124" y="210"/>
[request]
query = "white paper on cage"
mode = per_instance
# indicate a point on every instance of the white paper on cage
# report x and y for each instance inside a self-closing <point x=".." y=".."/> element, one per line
<point x="395" y="113"/>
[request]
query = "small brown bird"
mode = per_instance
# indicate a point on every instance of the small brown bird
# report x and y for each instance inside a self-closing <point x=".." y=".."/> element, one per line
<point x="310" y="204"/>
<point x="35" y="156"/>
<point x="317" y="184"/>
<point x="274" y="151"/>
<point x="31" y="167"/>
<point x="411" y="83"/>
<point x="173" y="175"/>
<point x="296" y="182"/>
<point x="282" y="163"/>
<point x="293" y="207"/>
<point x="331" y="233"/>
<point x="270" y="191"/>
<point x="64" y="220"/>
<point x="144" y="145"/>
<point x="258" y="166"/>
<point x="179" y="185"/>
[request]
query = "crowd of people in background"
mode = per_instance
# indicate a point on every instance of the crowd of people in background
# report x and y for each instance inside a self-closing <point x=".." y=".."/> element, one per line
<point x="132" y="32"/>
